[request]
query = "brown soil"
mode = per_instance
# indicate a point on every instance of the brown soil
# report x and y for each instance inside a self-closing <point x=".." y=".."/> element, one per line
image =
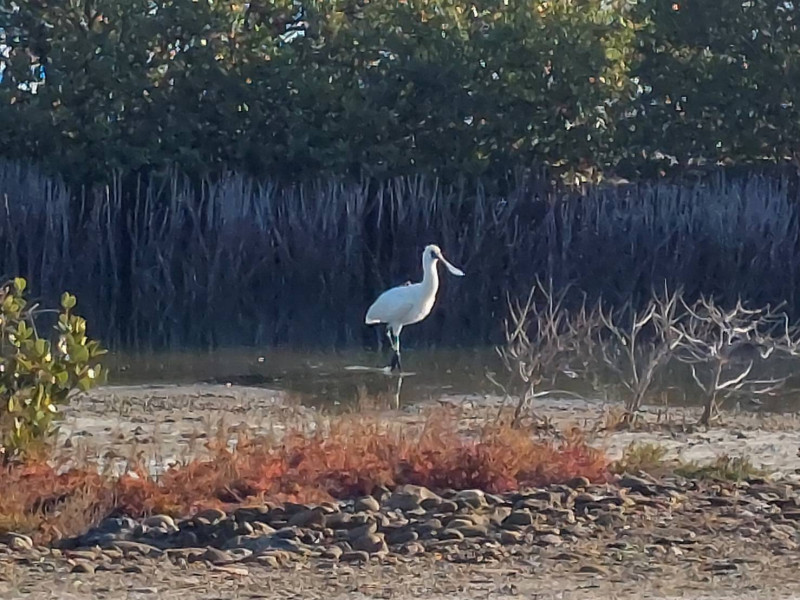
<point x="168" y="423"/>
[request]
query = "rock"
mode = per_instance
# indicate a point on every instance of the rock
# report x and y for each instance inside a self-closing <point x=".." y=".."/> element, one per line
<point x="357" y="519"/>
<point x="85" y="555"/>
<point x="269" y="560"/>
<point x="251" y="514"/>
<point x="457" y="522"/>
<point x="98" y="538"/>
<point x="549" y="539"/>
<point x="115" y="525"/>
<point x="473" y="531"/>
<point x="355" y="556"/>
<point x="610" y="519"/>
<point x="427" y="528"/>
<point x="450" y="535"/>
<point x="408" y="497"/>
<point x="471" y="498"/>
<point x="578" y="483"/>
<point x="255" y="544"/>
<point x="18" y="542"/>
<point x="332" y="553"/>
<point x="210" y="515"/>
<point x="566" y="515"/>
<point x="637" y="484"/>
<point x="594" y="570"/>
<point x="217" y="557"/>
<point x="721" y="567"/>
<point x="246" y="528"/>
<point x="132" y="569"/>
<point x="447" y="506"/>
<point x="412" y="549"/>
<point x="313" y="518"/>
<point x="518" y="518"/>
<point x="140" y="530"/>
<point x="136" y="548"/>
<point x="165" y="522"/>
<point x="259" y="544"/>
<point x="262" y="528"/>
<point x="233" y="570"/>
<point x="83" y="567"/>
<point x="510" y="537"/>
<point x="288" y="533"/>
<point x="402" y="536"/>
<point x="187" y="554"/>
<point x="586" y="498"/>
<point x="185" y="539"/>
<point x="498" y="515"/>
<point x="372" y="543"/>
<point x="362" y="530"/>
<point x="367" y="504"/>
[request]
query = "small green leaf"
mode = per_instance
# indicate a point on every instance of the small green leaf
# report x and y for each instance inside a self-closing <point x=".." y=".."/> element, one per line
<point x="68" y="301"/>
<point x="79" y="354"/>
<point x="20" y="284"/>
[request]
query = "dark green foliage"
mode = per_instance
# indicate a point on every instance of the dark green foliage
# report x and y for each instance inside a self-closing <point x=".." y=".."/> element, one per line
<point x="720" y="82"/>
<point x="383" y="88"/>
<point x="386" y="88"/>
<point x="38" y="374"/>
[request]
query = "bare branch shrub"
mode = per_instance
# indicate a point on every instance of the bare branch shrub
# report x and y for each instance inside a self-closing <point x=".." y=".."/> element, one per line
<point x="722" y="347"/>
<point x="544" y="340"/>
<point x="634" y="346"/>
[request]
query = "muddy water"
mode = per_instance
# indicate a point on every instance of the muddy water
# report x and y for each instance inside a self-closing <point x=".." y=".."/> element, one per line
<point x="345" y="378"/>
<point x="319" y="379"/>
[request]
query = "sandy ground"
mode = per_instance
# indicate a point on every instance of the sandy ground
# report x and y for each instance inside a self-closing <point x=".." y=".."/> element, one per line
<point x="168" y="423"/>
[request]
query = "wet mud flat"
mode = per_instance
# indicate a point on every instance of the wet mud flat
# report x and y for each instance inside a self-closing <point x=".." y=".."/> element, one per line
<point x="636" y="537"/>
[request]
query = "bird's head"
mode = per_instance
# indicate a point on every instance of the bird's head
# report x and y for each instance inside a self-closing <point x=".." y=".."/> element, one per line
<point x="432" y="253"/>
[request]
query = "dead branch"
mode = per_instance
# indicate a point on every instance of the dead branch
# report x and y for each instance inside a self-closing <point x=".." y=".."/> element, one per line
<point x="633" y="346"/>
<point x="722" y="347"/>
<point x="544" y="340"/>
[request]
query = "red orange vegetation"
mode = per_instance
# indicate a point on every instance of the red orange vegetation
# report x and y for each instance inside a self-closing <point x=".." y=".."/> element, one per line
<point x="352" y="456"/>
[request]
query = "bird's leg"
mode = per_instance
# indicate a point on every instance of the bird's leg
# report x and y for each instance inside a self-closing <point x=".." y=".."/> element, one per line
<point x="397" y="352"/>
<point x="394" y="340"/>
<point x="391" y="338"/>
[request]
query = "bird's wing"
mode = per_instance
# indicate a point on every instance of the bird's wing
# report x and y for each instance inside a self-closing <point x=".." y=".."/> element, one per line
<point x="391" y="306"/>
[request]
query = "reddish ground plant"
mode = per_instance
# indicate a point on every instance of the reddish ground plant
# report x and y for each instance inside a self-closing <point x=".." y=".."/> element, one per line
<point x="349" y="458"/>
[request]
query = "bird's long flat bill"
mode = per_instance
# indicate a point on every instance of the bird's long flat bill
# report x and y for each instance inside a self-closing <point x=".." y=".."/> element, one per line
<point x="454" y="270"/>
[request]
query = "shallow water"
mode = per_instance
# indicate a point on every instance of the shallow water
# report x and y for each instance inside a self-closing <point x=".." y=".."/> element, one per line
<point x="346" y="378"/>
<point x="318" y="378"/>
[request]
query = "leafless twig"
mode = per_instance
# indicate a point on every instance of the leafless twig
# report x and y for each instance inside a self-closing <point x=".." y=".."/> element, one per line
<point x="543" y="341"/>
<point x="635" y="345"/>
<point x="728" y="343"/>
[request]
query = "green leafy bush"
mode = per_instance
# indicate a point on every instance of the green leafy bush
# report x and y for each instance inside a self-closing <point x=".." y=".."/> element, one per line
<point x="441" y="87"/>
<point x="381" y="88"/>
<point x="37" y="375"/>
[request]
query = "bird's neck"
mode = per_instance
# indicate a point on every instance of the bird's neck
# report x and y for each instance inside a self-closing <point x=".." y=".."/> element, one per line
<point x="430" y="276"/>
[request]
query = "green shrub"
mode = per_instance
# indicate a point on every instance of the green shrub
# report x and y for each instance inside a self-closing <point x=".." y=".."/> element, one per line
<point x="37" y="375"/>
<point x="384" y="88"/>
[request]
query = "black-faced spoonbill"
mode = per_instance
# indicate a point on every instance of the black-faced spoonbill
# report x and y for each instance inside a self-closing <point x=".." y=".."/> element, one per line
<point x="410" y="303"/>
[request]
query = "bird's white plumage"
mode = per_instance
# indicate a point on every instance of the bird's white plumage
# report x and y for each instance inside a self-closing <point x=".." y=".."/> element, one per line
<point x="408" y="304"/>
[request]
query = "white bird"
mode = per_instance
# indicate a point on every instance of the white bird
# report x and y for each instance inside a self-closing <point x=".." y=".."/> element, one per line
<point x="410" y="303"/>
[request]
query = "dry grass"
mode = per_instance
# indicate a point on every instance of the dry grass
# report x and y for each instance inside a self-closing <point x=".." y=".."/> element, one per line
<point x="350" y="457"/>
<point x="643" y="457"/>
